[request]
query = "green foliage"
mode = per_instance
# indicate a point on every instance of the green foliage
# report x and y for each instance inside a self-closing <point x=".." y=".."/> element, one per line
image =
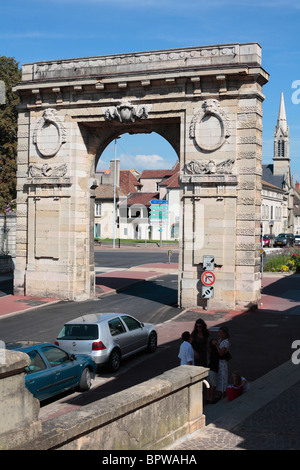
<point x="287" y="260"/>
<point x="10" y="74"/>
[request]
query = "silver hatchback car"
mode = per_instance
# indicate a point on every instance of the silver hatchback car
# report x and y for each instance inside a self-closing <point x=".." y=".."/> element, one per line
<point x="107" y="337"/>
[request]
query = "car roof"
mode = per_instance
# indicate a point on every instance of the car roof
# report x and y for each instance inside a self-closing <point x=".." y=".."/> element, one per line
<point x="25" y="345"/>
<point x="94" y="318"/>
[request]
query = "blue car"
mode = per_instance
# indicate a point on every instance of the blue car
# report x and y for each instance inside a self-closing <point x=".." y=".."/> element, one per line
<point x="52" y="370"/>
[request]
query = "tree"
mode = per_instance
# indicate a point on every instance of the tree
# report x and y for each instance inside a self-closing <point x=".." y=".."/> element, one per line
<point x="10" y="74"/>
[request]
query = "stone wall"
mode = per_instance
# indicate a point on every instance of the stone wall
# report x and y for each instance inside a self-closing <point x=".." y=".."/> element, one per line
<point x="18" y="408"/>
<point x="151" y="415"/>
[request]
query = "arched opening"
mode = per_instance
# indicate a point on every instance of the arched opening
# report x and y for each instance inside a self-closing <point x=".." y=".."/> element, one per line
<point x="133" y="170"/>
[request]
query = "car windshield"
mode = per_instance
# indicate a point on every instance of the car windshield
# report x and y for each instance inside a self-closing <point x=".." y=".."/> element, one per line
<point x="281" y="235"/>
<point x="73" y="331"/>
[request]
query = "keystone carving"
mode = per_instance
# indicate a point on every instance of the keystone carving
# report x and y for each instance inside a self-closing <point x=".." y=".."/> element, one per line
<point x="126" y="112"/>
<point x="54" y="138"/>
<point x="209" y="167"/>
<point x="210" y="108"/>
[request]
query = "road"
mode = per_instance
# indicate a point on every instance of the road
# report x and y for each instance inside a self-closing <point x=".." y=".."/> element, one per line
<point x="152" y="301"/>
<point x="126" y="258"/>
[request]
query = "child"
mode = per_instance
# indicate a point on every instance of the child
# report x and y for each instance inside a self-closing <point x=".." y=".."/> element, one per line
<point x="240" y="382"/>
<point x="186" y="352"/>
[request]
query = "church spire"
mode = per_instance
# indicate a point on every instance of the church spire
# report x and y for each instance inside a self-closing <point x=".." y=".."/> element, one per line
<point x="281" y="121"/>
<point x="281" y="160"/>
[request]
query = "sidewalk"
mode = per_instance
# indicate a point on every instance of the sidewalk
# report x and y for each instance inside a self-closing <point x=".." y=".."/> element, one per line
<point x="268" y="416"/>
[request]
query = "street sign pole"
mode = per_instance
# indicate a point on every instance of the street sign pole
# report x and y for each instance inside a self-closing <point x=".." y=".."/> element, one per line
<point x="208" y="279"/>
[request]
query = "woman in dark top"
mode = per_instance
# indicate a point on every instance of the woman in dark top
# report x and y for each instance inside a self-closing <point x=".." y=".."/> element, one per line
<point x="200" y="345"/>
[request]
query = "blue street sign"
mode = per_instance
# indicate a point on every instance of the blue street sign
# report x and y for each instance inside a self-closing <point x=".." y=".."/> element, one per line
<point x="157" y="201"/>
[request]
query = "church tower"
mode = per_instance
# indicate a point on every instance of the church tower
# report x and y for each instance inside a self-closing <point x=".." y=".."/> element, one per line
<point x="281" y="159"/>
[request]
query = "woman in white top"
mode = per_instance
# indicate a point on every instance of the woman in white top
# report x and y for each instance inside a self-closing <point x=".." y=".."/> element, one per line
<point x="223" y="348"/>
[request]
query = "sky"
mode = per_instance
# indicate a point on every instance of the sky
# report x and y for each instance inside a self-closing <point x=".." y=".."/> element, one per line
<point x="38" y="30"/>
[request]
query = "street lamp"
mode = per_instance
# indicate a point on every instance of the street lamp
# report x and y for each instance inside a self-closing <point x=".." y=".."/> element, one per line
<point x="115" y="188"/>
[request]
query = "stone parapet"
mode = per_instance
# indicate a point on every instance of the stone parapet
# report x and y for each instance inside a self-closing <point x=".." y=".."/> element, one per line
<point x="151" y="415"/>
<point x="18" y="408"/>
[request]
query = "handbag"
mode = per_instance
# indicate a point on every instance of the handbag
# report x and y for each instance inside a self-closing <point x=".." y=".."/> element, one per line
<point x="227" y="356"/>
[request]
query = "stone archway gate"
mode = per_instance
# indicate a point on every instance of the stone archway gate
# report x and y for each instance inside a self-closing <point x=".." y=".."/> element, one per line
<point x="206" y="101"/>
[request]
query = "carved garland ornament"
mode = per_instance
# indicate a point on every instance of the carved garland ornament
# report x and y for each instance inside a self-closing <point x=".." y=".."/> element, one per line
<point x="56" y="137"/>
<point x="209" y="167"/>
<point x="37" y="171"/>
<point x="210" y="108"/>
<point x="126" y="112"/>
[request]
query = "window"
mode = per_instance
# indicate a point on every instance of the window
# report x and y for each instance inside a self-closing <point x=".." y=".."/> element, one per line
<point x="55" y="356"/>
<point x="175" y="231"/>
<point x="98" y="230"/>
<point x="98" y="207"/>
<point x="131" y="323"/>
<point x="116" y="327"/>
<point x="36" y="363"/>
<point x="79" y="332"/>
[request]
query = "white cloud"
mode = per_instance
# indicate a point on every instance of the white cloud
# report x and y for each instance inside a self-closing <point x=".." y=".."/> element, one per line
<point x="143" y="162"/>
<point x="137" y="162"/>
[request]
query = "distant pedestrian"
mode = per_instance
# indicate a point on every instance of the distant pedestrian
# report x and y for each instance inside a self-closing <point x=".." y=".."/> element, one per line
<point x="186" y="352"/>
<point x="223" y="349"/>
<point x="200" y="338"/>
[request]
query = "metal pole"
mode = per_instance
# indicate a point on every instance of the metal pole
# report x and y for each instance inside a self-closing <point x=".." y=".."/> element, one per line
<point x="114" y="208"/>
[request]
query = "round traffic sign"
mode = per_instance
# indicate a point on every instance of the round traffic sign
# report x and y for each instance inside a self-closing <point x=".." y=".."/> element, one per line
<point x="208" y="278"/>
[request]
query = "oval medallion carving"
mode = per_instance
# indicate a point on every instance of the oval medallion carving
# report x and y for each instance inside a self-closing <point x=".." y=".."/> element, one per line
<point x="210" y="126"/>
<point x="49" y="134"/>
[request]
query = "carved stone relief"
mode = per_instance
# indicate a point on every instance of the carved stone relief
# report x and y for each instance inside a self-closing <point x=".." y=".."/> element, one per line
<point x="210" y="126"/>
<point x="126" y="112"/>
<point x="209" y="167"/>
<point x="37" y="171"/>
<point x="49" y="134"/>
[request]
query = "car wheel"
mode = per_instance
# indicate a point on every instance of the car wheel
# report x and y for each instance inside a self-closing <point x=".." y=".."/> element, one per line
<point x="85" y="380"/>
<point x="152" y="343"/>
<point x="114" y="360"/>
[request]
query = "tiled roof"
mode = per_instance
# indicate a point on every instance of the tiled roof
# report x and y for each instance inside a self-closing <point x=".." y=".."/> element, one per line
<point x="128" y="182"/>
<point x="140" y="198"/>
<point x="268" y="177"/>
<point x="104" y="191"/>
<point x="271" y="186"/>
<point x="172" y="182"/>
<point x="159" y="173"/>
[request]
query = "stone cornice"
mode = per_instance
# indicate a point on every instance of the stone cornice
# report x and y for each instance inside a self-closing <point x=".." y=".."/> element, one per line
<point x="140" y="61"/>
